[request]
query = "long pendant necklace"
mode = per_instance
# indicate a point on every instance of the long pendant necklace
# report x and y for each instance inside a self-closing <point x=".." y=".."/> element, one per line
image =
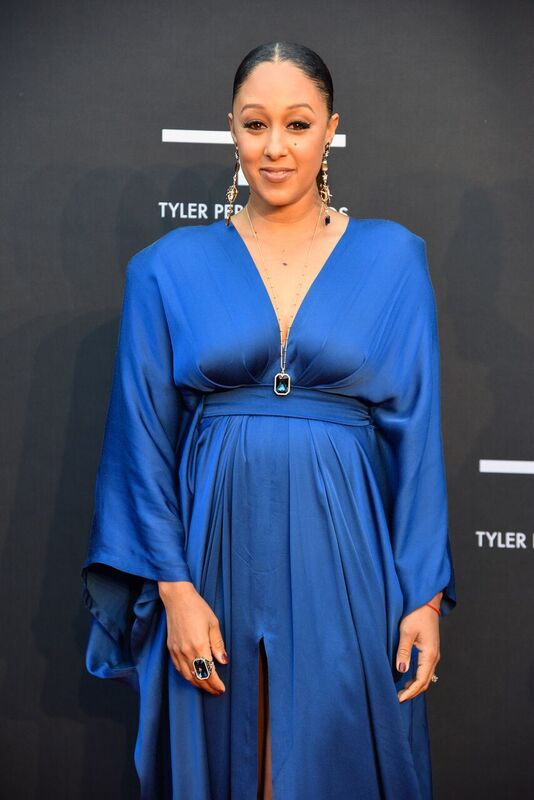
<point x="282" y="379"/>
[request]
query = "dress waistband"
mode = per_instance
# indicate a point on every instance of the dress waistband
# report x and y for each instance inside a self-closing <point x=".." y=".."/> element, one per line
<point x="302" y="402"/>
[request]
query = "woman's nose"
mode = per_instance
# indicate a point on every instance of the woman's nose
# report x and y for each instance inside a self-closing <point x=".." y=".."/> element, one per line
<point x="275" y="145"/>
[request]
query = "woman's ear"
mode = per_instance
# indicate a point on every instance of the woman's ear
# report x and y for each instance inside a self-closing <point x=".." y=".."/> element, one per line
<point x="231" y="125"/>
<point x="331" y="128"/>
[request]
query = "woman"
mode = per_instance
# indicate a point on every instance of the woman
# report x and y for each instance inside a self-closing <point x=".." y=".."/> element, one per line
<point x="272" y="481"/>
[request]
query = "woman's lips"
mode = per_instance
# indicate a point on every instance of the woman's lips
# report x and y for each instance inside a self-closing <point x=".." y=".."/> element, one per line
<point x="276" y="176"/>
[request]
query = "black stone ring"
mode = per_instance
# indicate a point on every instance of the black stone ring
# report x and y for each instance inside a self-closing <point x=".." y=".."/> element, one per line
<point x="203" y="667"/>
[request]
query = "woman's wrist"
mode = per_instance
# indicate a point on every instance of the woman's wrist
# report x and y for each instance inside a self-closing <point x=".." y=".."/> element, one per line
<point x="436" y="600"/>
<point x="170" y="588"/>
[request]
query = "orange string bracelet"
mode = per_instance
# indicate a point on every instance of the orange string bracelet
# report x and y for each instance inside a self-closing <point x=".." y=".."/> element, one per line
<point x="437" y="610"/>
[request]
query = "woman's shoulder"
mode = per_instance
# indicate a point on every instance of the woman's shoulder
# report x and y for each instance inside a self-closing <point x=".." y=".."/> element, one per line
<point x="395" y="249"/>
<point x="388" y="231"/>
<point x="183" y="237"/>
<point x="180" y="245"/>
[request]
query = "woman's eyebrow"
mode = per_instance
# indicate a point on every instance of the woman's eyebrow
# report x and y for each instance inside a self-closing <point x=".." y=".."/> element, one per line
<point x="293" y="105"/>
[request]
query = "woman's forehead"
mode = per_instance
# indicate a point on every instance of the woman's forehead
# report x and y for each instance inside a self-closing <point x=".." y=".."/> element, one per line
<point x="279" y="85"/>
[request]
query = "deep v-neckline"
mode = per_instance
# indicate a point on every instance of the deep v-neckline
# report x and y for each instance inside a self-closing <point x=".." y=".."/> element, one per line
<point x="308" y="296"/>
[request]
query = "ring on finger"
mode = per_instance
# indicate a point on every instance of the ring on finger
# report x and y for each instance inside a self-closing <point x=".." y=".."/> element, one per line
<point x="202" y="667"/>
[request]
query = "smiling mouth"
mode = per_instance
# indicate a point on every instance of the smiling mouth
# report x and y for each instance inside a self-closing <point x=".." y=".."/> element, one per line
<point x="276" y="175"/>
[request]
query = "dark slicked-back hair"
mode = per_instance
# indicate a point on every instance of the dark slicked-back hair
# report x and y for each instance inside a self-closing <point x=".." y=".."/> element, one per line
<point x="301" y="56"/>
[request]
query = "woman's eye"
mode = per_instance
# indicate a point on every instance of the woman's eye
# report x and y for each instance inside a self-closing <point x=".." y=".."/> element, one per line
<point x="253" y="123"/>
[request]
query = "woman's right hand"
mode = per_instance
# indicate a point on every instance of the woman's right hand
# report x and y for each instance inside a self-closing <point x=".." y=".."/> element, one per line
<point x="192" y="630"/>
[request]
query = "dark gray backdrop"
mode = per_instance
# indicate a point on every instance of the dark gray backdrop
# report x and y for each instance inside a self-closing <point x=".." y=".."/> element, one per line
<point x="435" y="102"/>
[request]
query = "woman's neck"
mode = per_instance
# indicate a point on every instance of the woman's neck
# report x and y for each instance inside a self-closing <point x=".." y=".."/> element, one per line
<point x="278" y="220"/>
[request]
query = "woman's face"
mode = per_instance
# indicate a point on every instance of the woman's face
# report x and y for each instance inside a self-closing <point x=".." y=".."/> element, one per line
<point x="280" y="121"/>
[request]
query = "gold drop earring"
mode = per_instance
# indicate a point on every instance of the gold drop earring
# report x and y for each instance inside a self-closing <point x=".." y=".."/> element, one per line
<point x="232" y="190"/>
<point x="324" y="190"/>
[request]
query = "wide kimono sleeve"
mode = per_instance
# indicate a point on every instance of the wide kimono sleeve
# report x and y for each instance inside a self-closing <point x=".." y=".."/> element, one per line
<point x="408" y="428"/>
<point x="137" y="536"/>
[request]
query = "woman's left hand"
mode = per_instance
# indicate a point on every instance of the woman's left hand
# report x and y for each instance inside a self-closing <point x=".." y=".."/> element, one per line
<point x="420" y="628"/>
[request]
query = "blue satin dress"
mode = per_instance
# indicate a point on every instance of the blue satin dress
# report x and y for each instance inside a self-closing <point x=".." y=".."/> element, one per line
<point x="315" y="520"/>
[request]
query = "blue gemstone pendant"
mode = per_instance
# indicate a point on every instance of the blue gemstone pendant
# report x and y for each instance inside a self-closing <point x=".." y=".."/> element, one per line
<point x="282" y="383"/>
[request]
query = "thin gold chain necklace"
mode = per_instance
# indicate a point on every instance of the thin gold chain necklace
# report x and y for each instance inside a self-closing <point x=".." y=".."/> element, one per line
<point x="282" y="380"/>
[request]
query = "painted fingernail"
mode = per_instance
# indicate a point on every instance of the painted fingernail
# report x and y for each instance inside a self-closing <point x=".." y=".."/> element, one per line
<point x="402" y="667"/>
<point x="225" y="657"/>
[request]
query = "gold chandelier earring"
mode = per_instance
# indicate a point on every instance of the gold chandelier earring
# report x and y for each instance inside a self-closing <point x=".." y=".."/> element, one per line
<point x="324" y="189"/>
<point x="232" y="191"/>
